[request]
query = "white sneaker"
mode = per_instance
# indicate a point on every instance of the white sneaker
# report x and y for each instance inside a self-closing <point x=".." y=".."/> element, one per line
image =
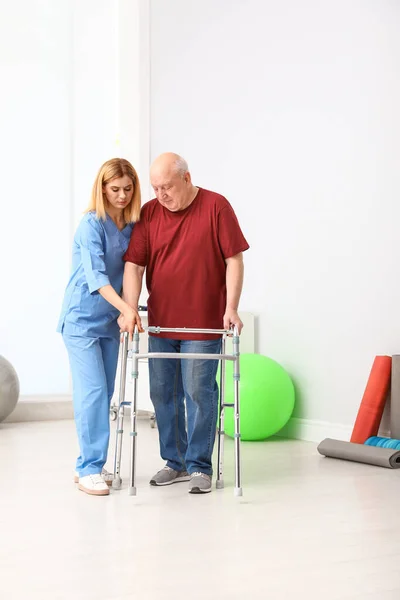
<point x="94" y="485"/>
<point x="108" y="477"/>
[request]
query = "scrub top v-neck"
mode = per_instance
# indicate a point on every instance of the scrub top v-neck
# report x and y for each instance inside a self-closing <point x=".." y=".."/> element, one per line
<point x="97" y="253"/>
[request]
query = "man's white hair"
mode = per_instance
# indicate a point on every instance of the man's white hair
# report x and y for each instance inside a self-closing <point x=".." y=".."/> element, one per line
<point x="180" y="166"/>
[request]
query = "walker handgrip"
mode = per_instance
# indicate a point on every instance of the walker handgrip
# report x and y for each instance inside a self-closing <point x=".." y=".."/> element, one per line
<point x="153" y="329"/>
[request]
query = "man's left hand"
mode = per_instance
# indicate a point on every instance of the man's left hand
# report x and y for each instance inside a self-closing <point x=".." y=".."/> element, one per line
<point x="231" y="317"/>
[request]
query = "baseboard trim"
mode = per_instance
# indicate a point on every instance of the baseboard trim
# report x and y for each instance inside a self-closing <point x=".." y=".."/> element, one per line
<point x="316" y="431"/>
<point x="34" y="408"/>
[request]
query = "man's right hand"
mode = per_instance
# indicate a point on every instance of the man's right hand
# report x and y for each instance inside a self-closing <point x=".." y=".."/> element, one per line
<point x="127" y="321"/>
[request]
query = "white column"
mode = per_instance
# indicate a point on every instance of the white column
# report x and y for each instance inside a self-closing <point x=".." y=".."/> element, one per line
<point x="133" y="104"/>
<point x="94" y="95"/>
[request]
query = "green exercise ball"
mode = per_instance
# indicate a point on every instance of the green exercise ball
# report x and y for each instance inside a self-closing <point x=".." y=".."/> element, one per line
<point x="266" y="397"/>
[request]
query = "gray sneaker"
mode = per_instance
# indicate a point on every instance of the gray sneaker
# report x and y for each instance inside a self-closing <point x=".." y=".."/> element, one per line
<point x="200" y="483"/>
<point x="167" y="476"/>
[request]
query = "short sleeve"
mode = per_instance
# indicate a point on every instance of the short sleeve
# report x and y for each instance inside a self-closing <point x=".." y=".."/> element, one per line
<point x="230" y="236"/>
<point x="137" y="249"/>
<point x="90" y="239"/>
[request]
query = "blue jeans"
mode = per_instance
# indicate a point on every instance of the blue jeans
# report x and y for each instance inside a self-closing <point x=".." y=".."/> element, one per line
<point x="171" y="382"/>
<point x="93" y="366"/>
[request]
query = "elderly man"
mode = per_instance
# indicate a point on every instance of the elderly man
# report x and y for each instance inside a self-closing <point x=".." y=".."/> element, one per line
<point x="189" y="241"/>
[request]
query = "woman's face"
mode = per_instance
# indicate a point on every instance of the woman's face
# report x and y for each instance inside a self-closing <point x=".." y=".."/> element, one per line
<point x="119" y="191"/>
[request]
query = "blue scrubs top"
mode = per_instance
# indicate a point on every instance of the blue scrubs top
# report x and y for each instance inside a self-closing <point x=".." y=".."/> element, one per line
<point x="97" y="254"/>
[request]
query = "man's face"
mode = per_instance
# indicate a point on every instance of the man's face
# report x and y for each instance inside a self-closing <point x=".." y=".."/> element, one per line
<point x="171" y="189"/>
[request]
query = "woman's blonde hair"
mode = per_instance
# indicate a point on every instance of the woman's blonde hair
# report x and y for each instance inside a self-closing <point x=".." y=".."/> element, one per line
<point x="116" y="167"/>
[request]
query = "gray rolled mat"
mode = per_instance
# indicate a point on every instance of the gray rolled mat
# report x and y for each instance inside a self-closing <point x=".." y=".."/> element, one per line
<point x="395" y="399"/>
<point x="371" y="455"/>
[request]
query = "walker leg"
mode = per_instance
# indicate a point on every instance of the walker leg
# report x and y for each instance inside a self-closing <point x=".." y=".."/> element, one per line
<point x="114" y="406"/>
<point x="236" y="380"/>
<point x="221" y="418"/>
<point x="135" y="375"/>
<point x="117" y="481"/>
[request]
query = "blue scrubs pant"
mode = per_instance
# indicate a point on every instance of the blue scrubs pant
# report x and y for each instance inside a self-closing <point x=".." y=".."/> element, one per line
<point x="93" y="364"/>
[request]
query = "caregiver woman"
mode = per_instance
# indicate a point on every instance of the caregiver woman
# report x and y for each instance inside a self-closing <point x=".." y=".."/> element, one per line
<point x="91" y="306"/>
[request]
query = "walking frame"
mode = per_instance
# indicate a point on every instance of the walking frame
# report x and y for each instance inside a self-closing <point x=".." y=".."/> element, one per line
<point x="122" y="403"/>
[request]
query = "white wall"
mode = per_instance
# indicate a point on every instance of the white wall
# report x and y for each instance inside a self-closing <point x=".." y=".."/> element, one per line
<point x="70" y="100"/>
<point x="36" y="190"/>
<point x="291" y="109"/>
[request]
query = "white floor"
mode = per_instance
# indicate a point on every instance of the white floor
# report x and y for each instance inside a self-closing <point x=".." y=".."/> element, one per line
<point x="306" y="527"/>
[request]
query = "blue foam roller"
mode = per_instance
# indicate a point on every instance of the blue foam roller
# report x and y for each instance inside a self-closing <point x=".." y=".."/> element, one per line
<point x="371" y="441"/>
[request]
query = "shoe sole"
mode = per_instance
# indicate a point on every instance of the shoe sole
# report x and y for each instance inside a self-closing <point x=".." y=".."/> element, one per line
<point x="197" y="490"/>
<point x="93" y="492"/>
<point x="76" y="480"/>
<point x="177" y="480"/>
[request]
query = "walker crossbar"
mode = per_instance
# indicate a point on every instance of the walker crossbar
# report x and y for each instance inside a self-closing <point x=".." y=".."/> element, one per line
<point x="183" y="355"/>
<point x="152" y="329"/>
